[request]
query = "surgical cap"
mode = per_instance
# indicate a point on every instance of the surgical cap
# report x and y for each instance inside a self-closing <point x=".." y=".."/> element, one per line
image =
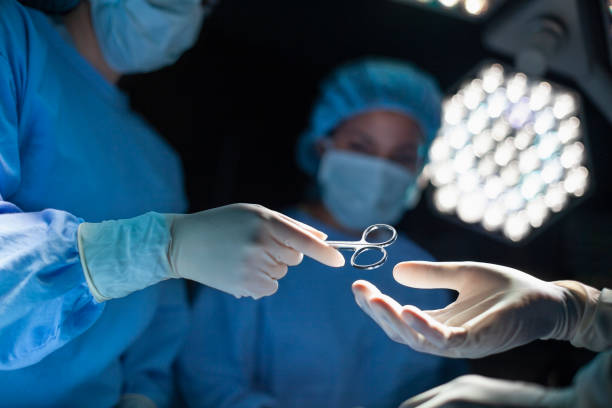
<point x="367" y="85"/>
<point x="52" y="6"/>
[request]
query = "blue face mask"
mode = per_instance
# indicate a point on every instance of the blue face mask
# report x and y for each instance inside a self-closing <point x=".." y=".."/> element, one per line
<point x="144" y="35"/>
<point x="361" y="190"/>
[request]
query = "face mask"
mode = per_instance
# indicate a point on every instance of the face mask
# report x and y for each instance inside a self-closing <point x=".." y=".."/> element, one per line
<point x="144" y="35"/>
<point x="361" y="190"/>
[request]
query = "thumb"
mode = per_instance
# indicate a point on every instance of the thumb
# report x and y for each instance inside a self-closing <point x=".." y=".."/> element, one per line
<point x="429" y="275"/>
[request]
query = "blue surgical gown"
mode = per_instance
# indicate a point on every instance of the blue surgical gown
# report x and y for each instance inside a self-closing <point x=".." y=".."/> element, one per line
<point x="72" y="150"/>
<point x="308" y="345"/>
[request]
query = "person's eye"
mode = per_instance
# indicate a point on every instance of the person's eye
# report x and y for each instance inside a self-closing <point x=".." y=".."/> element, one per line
<point x="358" y="147"/>
<point x="407" y="160"/>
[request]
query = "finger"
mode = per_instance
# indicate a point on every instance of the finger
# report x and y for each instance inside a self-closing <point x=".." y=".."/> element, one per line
<point x="275" y="270"/>
<point x="442" y="401"/>
<point x="473" y="310"/>
<point x="388" y="312"/>
<point x="260" y="285"/>
<point x="364" y="288"/>
<point x="319" y="234"/>
<point x="439" y="334"/>
<point x="423" y="397"/>
<point x="289" y="234"/>
<point x="385" y="324"/>
<point x="429" y="275"/>
<point x="453" y="309"/>
<point x="480" y="392"/>
<point x="281" y="253"/>
<point x="363" y="291"/>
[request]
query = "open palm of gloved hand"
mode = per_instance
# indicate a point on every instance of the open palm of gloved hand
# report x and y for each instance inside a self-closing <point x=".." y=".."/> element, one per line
<point x="498" y="308"/>
<point x="243" y="249"/>
<point x="475" y="391"/>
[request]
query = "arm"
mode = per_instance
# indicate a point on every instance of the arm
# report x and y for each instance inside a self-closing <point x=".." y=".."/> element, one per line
<point x="147" y="363"/>
<point x="592" y="388"/>
<point x="217" y="366"/>
<point x="44" y="299"/>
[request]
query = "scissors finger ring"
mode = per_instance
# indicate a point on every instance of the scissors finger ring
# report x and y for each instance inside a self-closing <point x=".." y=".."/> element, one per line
<point x="363" y="245"/>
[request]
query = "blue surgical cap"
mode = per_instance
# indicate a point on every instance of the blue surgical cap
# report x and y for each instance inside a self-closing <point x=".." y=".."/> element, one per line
<point x="52" y="6"/>
<point x="367" y="85"/>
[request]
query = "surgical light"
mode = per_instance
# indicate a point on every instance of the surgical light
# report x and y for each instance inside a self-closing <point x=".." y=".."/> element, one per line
<point x="472" y="9"/>
<point x="510" y="153"/>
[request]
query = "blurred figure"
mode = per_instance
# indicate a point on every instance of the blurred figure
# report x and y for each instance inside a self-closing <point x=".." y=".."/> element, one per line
<point x="498" y="308"/>
<point x="306" y="346"/>
<point x="83" y="321"/>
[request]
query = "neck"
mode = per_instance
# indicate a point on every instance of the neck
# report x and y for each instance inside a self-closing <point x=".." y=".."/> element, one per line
<point x="318" y="211"/>
<point x="79" y="26"/>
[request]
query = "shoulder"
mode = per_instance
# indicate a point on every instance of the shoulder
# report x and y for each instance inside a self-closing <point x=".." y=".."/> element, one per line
<point x="14" y="22"/>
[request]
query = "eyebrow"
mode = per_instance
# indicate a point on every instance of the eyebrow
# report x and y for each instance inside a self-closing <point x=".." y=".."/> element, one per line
<point x="409" y="145"/>
<point x="364" y="135"/>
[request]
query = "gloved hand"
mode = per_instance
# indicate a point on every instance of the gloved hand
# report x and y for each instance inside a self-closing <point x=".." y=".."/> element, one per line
<point x="241" y="249"/>
<point x="475" y="391"/>
<point x="498" y="308"/>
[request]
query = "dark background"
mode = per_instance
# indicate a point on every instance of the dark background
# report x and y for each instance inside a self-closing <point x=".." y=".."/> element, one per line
<point x="234" y="106"/>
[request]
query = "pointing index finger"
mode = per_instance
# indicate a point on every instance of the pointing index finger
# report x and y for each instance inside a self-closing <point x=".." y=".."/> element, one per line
<point x="314" y="231"/>
<point x="302" y="240"/>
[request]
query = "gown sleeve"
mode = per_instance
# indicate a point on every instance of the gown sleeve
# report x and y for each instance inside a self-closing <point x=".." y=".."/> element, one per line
<point x="44" y="298"/>
<point x="593" y="383"/>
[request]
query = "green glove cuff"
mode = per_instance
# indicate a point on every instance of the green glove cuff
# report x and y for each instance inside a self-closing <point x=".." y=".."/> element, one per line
<point x="123" y="256"/>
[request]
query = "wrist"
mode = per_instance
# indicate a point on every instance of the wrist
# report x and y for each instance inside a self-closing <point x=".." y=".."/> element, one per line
<point x="580" y="304"/>
<point x="171" y="221"/>
<point x="90" y="283"/>
<point x="122" y="256"/>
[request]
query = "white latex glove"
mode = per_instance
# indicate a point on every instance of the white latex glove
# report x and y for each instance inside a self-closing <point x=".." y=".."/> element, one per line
<point x="243" y="249"/>
<point x="475" y="391"/>
<point x="498" y="308"/>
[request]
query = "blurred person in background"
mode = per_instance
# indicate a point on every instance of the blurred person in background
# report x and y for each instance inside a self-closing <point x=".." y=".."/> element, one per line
<point x="306" y="347"/>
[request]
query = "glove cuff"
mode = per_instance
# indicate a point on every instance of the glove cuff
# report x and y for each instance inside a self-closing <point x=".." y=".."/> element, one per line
<point x="123" y="256"/>
<point x="588" y="316"/>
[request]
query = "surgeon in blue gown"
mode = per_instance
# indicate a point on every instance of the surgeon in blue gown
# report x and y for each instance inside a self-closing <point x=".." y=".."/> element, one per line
<point x="91" y="230"/>
<point x="308" y="345"/>
<point x="69" y="141"/>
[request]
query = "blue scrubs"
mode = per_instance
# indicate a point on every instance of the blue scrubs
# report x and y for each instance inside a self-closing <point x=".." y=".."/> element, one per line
<point x="308" y="345"/>
<point x="72" y="150"/>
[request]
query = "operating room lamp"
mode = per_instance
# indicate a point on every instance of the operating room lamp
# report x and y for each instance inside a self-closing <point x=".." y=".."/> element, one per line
<point x="511" y="154"/>
<point x="469" y="9"/>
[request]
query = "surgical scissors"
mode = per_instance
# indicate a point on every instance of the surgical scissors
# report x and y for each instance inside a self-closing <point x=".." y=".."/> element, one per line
<point x="364" y="245"/>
